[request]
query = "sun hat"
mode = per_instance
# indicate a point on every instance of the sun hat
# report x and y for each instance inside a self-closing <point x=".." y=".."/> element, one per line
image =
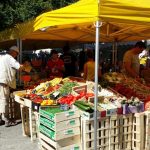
<point x="14" y="48"/>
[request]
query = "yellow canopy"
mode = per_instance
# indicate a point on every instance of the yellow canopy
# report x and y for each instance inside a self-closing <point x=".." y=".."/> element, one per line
<point x="122" y="20"/>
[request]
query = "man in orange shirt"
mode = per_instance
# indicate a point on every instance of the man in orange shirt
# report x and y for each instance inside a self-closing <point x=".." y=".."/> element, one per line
<point x="89" y="67"/>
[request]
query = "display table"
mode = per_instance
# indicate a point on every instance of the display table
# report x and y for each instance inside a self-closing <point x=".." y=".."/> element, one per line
<point x="28" y="116"/>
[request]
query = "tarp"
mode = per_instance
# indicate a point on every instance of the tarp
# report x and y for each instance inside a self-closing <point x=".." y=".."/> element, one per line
<point x="122" y="20"/>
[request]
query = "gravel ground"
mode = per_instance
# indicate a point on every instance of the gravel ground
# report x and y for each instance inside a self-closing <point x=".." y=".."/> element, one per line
<point x="11" y="138"/>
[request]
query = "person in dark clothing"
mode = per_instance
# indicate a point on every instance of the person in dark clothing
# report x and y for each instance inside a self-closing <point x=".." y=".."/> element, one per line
<point x="70" y="62"/>
<point x="82" y="60"/>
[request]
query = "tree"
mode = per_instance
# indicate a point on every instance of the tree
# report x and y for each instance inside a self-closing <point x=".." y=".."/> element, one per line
<point x="17" y="11"/>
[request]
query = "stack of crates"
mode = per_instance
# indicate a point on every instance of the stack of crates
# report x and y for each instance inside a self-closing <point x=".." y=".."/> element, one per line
<point x="87" y="132"/>
<point x="59" y="130"/>
<point x="113" y="133"/>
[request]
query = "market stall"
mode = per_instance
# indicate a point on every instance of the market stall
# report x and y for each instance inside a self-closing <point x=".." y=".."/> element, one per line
<point x="83" y="23"/>
<point x="65" y="110"/>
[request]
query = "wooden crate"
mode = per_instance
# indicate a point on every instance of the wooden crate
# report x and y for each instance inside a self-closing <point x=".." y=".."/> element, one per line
<point x="120" y="132"/>
<point x="126" y="124"/>
<point x="59" y="134"/>
<point x="147" y="130"/>
<point x="72" y="143"/>
<point x="138" y="132"/>
<point x="114" y="134"/>
<point x="21" y="100"/>
<point x="29" y="122"/>
<point x="14" y="108"/>
<point x="87" y="133"/>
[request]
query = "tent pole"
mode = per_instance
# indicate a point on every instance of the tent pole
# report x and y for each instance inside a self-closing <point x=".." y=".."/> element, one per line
<point x="96" y="83"/>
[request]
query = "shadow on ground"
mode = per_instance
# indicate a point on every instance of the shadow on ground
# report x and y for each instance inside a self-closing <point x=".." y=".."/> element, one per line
<point x="11" y="138"/>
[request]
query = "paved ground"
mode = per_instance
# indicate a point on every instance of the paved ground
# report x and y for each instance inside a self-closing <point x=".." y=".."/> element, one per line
<point x="12" y="139"/>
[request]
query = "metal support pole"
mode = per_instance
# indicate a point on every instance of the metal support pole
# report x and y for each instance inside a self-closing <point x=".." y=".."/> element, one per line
<point x="96" y="83"/>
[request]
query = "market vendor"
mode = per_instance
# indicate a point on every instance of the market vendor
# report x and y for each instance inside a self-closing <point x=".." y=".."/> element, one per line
<point x="8" y="67"/>
<point x="131" y="62"/>
<point x="89" y="67"/>
<point x="55" y="65"/>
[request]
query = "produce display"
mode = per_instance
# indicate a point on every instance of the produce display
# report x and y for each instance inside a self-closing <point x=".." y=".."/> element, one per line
<point x="59" y="100"/>
<point x="114" y="77"/>
<point x="67" y="92"/>
<point x="128" y="86"/>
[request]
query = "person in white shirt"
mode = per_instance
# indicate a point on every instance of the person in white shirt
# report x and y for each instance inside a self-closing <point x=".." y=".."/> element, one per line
<point x="8" y="67"/>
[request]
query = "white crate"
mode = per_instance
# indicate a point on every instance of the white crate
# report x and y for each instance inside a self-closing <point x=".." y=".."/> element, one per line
<point x="61" y="116"/>
<point x="21" y="100"/>
<point x="87" y="129"/>
<point x="138" y="132"/>
<point x="114" y="136"/>
<point x="147" y="130"/>
<point x="120" y="137"/>
<point x="63" y="125"/>
<point x="73" y="143"/>
<point x="60" y="134"/>
<point x="126" y="124"/>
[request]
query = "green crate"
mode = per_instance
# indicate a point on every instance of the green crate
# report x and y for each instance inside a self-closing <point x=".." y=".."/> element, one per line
<point x="49" y="112"/>
<point x="47" y="132"/>
<point x="57" y="115"/>
<point x="47" y="122"/>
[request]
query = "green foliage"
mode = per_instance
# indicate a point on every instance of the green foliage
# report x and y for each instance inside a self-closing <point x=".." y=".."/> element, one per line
<point x="61" y="3"/>
<point x="17" y="11"/>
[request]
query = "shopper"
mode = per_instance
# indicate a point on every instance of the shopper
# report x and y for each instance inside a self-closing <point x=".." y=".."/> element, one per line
<point x="131" y="62"/>
<point x="89" y="67"/>
<point x="55" y="65"/>
<point x="8" y="67"/>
